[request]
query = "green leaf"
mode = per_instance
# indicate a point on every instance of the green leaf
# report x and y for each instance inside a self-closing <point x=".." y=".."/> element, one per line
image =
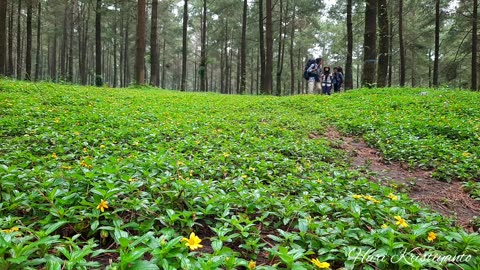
<point x="144" y="265"/>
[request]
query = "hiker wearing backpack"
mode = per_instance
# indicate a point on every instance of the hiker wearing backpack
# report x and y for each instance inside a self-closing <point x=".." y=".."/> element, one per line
<point x="312" y="74"/>
<point x="337" y="79"/>
<point x="326" y="81"/>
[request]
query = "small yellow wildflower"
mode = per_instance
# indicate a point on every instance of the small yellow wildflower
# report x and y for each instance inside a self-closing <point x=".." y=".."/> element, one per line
<point x="355" y="196"/>
<point x="321" y="265"/>
<point x="13" y="229"/>
<point x="401" y="222"/>
<point x="319" y="181"/>
<point x="136" y="143"/>
<point x="76" y="133"/>
<point x="384" y="226"/>
<point x="193" y="242"/>
<point x="466" y="154"/>
<point x="244" y="176"/>
<point x="393" y="197"/>
<point x="54" y="155"/>
<point x="431" y="236"/>
<point x="102" y="205"/>
<point x="226" y="155"/>
<point x="252" y="265"/>
<point x="84" y="150"/>
<point x="56" y="120"/>
<point x="102" y="146"/>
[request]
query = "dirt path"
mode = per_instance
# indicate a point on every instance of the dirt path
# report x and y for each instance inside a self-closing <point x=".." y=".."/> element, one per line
<point x="448" y="199"/>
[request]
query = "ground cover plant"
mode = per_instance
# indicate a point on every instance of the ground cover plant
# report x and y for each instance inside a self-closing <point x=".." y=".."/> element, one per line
<point x="95" y="178"/>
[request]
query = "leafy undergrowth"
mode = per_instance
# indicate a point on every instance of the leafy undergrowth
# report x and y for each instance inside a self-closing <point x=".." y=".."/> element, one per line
<point x="120" y="179"/>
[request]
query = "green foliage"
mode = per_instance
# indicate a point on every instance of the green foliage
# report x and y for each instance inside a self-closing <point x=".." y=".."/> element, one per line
<point x="239" y="171"/>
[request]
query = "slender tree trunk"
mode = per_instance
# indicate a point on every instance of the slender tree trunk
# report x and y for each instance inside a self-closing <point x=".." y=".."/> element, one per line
<point x="349" y="62"/>
<point x="19" y="40"/>
<point x="203" y="50"/>
<point x="115" y="48"/>
<point x="292" y="60"/>
<point x="28" y="53"/>
<point x="437" y="43"/>
<point x="154" y="46"/>
<point x="261" y="45"/>
<point x="243" y="50"/>
<point x="370" y="43"/>
<point x="140" y="44"/>
<point x="164" y="68"/>
<point x="278" y="86"/>
<point x="383" y="43"/>
<point x="184" y="45"/>
<point x="269" y="49"/>
<point x="474" y="83"/>
<point x="38" y="56"/>
<point x="98" y="44"/>
<point x="3" y="37"/>
<point x="402" y="43"/>
<point x="53" y="56"/>
<point x="63" y="49"/>
<point x="70" y="46"/>
<point x="390" y="51"/>
<point x="126" y="70"/>
<point x="10" y="69"/>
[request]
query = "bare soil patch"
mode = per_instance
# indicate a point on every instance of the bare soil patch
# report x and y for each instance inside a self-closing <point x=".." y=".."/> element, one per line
<point x="449" y="199"/>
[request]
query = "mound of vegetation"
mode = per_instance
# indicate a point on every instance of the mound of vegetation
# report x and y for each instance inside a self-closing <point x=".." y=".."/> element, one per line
<point x="148" y="179"/>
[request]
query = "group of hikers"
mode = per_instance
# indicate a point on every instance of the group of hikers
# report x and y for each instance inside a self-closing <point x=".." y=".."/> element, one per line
<point x="320" y="77"/>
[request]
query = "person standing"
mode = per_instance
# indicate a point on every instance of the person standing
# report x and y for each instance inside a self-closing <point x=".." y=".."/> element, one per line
<point x="326" y="81"/>
<point x="312" y="74"/>
<point x="337" y="79"/>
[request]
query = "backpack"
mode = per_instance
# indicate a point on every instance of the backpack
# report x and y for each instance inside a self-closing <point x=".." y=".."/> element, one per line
<point x="306" y="74"/>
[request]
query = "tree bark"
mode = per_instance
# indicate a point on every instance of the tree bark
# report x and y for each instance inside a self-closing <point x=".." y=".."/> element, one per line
<point x="243" y="50"/>
<point x="39" y="28"/>
<point x="203" y="50"/>
<point x="184" y="46"/>
<point x="10" y="68"/>
<point x="349" y="62"/>
<point x="474" y="83"/>
<point x="3" y="37"/>
<point x="402" y="43"/>
<point x="292" y="60"/>
<point x="269" y="49"/>
<point x="53" y="56"/>
<point x="19" y="41"/>
<point x="369" y="44"/>
<point x="140" y="44"/>
<point x="437" y="43"/>
<point x="383" y="43"/>
<point x="115" y="48"/>
<point x="390" y="51"/>
<point x="280" y="54"/>
<point x="261" y="45"/>
<point x="98" y="44"/>
<point x="154" y="45"/>
<point x="70" y="46"/>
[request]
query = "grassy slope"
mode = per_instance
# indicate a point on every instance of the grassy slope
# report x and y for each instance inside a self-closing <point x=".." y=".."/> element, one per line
<point x="239" y="171"/>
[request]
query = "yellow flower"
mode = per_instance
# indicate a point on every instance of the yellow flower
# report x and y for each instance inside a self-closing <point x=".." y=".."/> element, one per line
<point x="13" y="229"/>
<point x="102" y="146"/>
<point x="193" y="242"/>
<point x="252" y="265"/>
<point x="401" y="222"/>
<point x="226" y="155"/>
<point x="384" y="226"/>
<point x="56" y="120"/>
<point x="54" y="155"/>
<point x="355" y="196"/>
<point x="321" y="265"/>
<point x="102" y="205"/>
<point x="466" y="154"/>
<point x="136" y="143"/>
<point x="432" y="236"/>
<point x="393" y="197"/>
<point x="319" y="181"/>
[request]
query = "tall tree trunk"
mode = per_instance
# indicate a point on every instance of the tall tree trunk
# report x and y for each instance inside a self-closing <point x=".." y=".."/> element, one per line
<point x="203" y="50"/>
<point x="115" y="48"/>
<point x="28" y="53"/>
<point x="184" y="45"/>
<point x="390" y="51"/>
<point x="370" y="43"/>
<point x="349" y="62"/>
<point x="402" y="43"/>
<point x="53" y="55"/>
<point x="261" y="45"/>
<point x="243" y="50"/>
<point x="126" y="65"/>
<point x="83" y="41"/>
<point x="19" y="40"/>
<point x="3" y="37"/>
<point x="281" y="45"/>
<point x="63" y="50"/>
<point x="269" y="50"/>
<point x="292" y="60"/>
<point x="98" y="44"/>
<point x="70" y="46"/>
<point x="474" y="83"/>
<point x="140" y="44"/>
<point x="154" y="46"/>
<point x="164" y="68"/>
<point x="10" y="69"/>
<point x="437" y="43"/>
<point x="39" y="28"/>
<point x="383" y="43"/>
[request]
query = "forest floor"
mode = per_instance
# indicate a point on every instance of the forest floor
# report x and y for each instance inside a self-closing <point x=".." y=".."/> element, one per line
<point x="449" y="199"/>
